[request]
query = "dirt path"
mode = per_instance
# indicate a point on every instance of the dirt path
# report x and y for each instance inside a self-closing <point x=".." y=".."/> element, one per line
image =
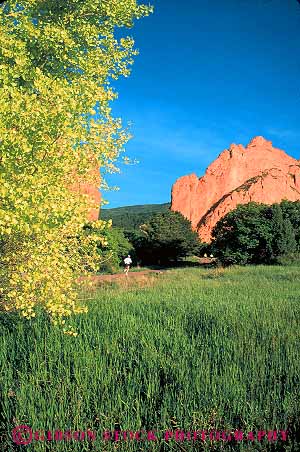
<point x="135" y="275"/>
<point x="131" y="275"/>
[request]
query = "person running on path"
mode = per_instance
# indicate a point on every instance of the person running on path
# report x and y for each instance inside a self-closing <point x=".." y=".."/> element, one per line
<point x="127" y="262"/>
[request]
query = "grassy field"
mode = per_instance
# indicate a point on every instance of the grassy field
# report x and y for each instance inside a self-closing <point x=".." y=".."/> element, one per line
<point x="190" y="349"/>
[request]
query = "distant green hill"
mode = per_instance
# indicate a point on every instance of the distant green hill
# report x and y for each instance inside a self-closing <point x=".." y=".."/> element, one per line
<point x="131" y="217"/>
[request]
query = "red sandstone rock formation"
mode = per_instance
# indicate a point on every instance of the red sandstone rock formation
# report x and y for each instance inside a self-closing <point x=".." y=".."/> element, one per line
<point x="91" y="189"/>
<point x="259" y="173"/>
<point x="94" y="193"/>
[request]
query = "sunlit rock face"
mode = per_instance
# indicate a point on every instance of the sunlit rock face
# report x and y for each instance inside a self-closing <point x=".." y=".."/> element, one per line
<point x="91" y="190"/>
<point x="258" y="172"/>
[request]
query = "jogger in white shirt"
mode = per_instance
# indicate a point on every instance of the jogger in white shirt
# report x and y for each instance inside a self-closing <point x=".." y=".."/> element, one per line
<point x="127" y="262"/>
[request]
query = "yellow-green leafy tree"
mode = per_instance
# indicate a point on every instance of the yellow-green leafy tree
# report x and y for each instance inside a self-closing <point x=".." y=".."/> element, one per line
<point x="57" y="61"/>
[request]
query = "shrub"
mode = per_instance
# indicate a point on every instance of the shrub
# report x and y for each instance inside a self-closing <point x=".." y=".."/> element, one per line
<point x="253" y="234"/>
<point x="165" y="238"/>
<point x="112" y="246"/>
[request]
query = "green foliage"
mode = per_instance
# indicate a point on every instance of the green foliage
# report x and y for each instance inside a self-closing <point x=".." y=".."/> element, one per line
<point x="253" y="234"/>
<point x="112" y="245"/>
<point x="165" y="238"/>
<point x="131" y="217"/>
<point x="291" y="259"/>
<point x="284" y="241"/>
<point x="116" y="248"/>
<point x="291" y="211"/>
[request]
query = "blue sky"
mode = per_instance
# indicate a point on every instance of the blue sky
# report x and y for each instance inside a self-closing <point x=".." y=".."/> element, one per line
<point x="210" y="73"/>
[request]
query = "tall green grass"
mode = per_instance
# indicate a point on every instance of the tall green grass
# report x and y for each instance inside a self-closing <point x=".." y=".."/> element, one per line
<point x="192" y="349"/>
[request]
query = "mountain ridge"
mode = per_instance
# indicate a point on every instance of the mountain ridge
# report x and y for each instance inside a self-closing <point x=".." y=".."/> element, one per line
<point x="131" y="217"/>
<point x="205" y="200"/>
